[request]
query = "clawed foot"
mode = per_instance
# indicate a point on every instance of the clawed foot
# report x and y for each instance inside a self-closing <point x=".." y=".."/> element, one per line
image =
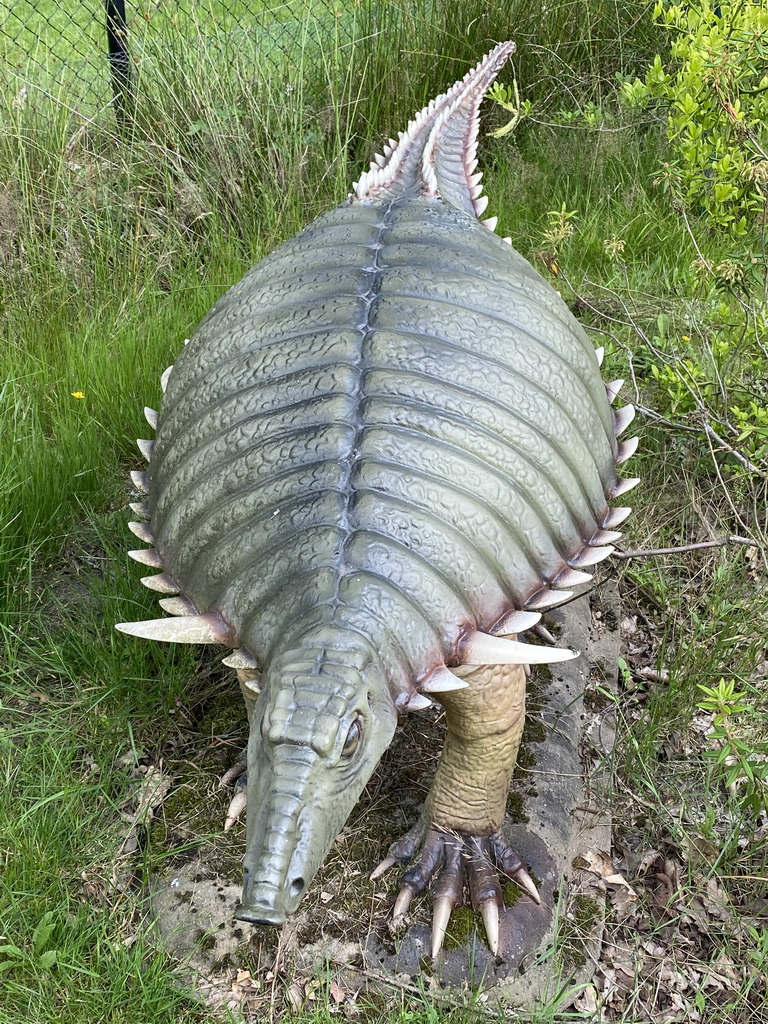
<point x="237" y="805"/>
<point x="453" y="859"/>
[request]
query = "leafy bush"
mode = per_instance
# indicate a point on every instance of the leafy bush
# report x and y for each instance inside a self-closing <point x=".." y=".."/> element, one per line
<point x="715" y="90"/>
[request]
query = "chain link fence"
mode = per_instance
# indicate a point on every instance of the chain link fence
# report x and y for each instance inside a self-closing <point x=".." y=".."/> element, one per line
<point x="88" y="53"/>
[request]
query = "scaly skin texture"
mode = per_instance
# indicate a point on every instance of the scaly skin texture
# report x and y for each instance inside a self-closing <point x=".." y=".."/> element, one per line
<point x="484" y="727"/>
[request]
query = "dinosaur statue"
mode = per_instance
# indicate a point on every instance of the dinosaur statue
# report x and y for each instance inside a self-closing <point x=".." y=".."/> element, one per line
<point x="383" y="453"/>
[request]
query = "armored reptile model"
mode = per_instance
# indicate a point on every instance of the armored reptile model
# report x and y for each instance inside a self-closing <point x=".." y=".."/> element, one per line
<point x="383" y="453"/>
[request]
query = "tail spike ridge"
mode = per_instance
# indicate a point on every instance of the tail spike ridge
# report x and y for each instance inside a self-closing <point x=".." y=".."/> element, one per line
<point x="612" y="389"/>
<point x="140" y="481"/>
<point x="591" y="556"/>
<point x="141" y="508"/>
<point x="491" y="222"/>
<point x="241" y="658"/>
<point x="516" y="622"/>
<point x="622" y="486"/>
<point x="161" y="583"/>
<point x="185" y="629"/>
<point x="600" y="355"/>
<point x="146" y="448"/>
<point x="178" y="606"/>
<point x="165" y="376"/>
<point x="441" y="681"/>
<point x="622" y="418"/>
<point x="151" y="416"/>
<point x="484" y="649"/>
<point x="627" y="449"/>
<point x="147" y="556"/>
<point x="142" y="531"/>
<point x="436" y="155"/>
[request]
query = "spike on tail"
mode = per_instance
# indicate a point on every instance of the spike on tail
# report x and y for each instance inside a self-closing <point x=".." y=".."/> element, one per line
<point x="436" y="154"/>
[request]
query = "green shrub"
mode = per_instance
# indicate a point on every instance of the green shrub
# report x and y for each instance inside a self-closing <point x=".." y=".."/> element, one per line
<point x="714" y="88"/>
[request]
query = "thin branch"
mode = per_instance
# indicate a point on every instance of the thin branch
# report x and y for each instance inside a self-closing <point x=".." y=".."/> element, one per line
<point x="647" y="552"/>
<point x="724" y="444"/>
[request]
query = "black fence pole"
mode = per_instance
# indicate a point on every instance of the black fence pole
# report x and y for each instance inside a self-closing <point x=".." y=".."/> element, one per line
<point x="119" y="61"/>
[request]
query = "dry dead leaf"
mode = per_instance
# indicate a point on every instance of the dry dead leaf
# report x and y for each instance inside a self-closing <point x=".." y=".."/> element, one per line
<point x="295" y="996"/>
<point x="600" y="864"/>
<point x="586" y="1002"/>
<point x="336" y="992"/>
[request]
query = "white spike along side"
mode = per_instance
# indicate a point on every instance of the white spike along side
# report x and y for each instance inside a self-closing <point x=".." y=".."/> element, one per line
<point x="147" y="556"/>
<point x="141" y="508"/>
<point x="150" y="415"/>
<point x="591" y="556"/>
<point x="140" y="481"/>
<point x="622" y="486"/>
<point x="177" y="606"/>
<point x="546" y="598"/>
<point x="142" y="531"/>
<point x="185" y="629"/>
<point x="484" y="649"/>
<point x="627" y="449"/>
<point x="162" y="583"/>
<point x="241" y="658"/>
<point x="612" y="389"/>
<point x="516" y="622"/>
<point x="442" y="680"/>
<point x="417" y="703"/>
<point x="165" y="376"/>
<point x="600" y="355"/>
<point x="615" y="517"/>
<point x="145" y="447"/>
<point x="622" y="418"/>
<point x="571" y="578"/>
<point x="604" y="537"/>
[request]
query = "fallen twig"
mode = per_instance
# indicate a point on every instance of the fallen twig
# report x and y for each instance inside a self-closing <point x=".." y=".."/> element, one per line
<point x="647" y="552"/>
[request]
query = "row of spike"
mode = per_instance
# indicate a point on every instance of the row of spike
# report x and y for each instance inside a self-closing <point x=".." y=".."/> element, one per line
<point x="385" y="166"/>
<point x="495" y="649"/>
<point x="478" y="648"/>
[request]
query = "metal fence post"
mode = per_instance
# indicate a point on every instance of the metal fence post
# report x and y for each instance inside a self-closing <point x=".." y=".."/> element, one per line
<point x="119" y="61"/>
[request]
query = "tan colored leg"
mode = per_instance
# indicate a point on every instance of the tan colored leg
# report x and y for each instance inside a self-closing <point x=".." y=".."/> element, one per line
<point x="485" y="725"/>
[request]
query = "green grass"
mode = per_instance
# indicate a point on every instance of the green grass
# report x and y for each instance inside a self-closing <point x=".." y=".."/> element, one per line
<point x="111" y="251"/>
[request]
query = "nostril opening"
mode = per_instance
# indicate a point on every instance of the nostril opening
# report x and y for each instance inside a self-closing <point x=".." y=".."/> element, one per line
<point x="297" y="886"/>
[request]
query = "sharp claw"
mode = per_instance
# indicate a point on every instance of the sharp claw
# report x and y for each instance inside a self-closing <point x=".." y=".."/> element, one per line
<point x="490" y="912"/>
<point x="236" y="807"/>
<point x="386" y="864"/>
<point x="441" y="915"/>
<point x="402" y="902"/>
<point x="525" y="881"/>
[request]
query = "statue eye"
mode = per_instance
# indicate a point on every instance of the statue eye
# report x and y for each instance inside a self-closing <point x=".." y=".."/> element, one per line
<point x="352" y="741"/>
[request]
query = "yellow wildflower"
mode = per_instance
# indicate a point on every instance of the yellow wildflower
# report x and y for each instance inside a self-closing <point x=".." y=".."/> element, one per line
<point x="77" y="394"/>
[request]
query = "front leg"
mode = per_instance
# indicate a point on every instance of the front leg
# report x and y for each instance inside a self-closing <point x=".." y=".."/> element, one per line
<point x="459" y="835"/>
